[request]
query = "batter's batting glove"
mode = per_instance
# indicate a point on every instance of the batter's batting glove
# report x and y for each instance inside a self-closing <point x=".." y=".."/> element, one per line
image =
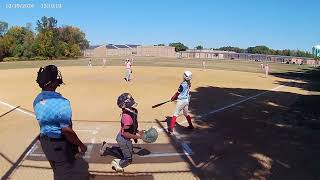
<point x="175" y="96"/>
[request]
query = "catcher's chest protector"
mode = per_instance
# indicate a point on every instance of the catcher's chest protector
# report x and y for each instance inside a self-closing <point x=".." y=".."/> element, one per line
<point x="134" y="127"/>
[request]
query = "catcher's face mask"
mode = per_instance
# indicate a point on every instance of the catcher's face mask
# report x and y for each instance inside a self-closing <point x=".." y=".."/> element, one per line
<point x="126" y="100"/>
<point x="49" y="74"/>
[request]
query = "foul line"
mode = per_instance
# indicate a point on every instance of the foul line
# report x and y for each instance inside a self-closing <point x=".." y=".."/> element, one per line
<point x="228" y="106"/>
<point x="239" y="102"/>
<point x="27" y="150"/>
<point x="18" y="109"/>
<point x="186" y="148"/>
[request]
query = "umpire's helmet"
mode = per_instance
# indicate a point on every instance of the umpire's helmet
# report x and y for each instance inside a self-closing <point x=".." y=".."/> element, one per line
<point x="125" y="100"/>
<point x="47" y="75"/>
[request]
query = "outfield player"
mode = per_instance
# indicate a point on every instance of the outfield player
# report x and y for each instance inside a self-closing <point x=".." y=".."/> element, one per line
<point x="128" y="70"/>
<point x="128" y="131"/>
<point x="104" y="61"/>
<point x="183" y="98"/>
<point x="203" y="64"/>
<point x="89" y="63"/>
<point x="266" y="70"/>
<point x="58" y="140"/>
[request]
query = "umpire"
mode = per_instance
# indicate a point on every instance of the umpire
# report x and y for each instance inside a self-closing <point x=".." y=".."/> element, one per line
<point x="59" y="142"/>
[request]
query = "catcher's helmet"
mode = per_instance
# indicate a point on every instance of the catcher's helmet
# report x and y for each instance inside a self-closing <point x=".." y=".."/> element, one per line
<point x="150" y="136"/>
<point x="125" y="100"/>
<point x="47" y="75"/>
<point x="187" y="75"/>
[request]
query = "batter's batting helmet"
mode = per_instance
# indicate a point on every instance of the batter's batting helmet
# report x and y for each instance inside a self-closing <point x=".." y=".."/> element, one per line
<point x="125" y="100"/>
<point x="48" y="75"/>
<point x="150" y="136"/>
<point x="187" y="75"/>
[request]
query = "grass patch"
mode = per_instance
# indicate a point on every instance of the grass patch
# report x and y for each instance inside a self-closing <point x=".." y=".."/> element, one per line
<point x="238" y="65"/>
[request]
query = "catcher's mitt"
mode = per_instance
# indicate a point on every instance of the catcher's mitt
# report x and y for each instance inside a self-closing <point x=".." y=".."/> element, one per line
<point x="150" y="135"/>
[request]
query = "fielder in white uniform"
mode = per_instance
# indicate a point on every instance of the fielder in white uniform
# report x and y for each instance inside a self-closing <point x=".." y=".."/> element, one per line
<point x="104" y="62"/>
<point x="128" y="70"/>
<point x="183" y="98"/>
<point x="266" y="69"/>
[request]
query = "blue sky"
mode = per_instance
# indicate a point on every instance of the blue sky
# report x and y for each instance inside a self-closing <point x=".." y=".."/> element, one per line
<point x="278" y="24"/>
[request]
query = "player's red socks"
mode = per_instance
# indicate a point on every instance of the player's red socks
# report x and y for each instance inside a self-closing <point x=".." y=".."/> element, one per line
<point x="173" y="122"/>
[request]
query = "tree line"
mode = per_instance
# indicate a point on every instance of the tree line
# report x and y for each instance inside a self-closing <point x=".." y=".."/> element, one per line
<point x="252" y="50"/>
<point x="48" y="41"/>
<point x="268" y="51"/>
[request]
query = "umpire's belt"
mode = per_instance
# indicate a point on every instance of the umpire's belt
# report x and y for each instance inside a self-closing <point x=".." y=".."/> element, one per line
<point x="57" y="149"/>
<point x="45" y="137"/>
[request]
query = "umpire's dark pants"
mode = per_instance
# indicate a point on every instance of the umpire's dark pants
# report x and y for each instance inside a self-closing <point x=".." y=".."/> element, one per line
<point x="61" y="156"/>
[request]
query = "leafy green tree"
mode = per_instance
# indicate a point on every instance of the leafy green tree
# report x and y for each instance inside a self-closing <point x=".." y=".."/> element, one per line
<point x="46" y="24"/>
<point x="259" y="50"/>
<point x="74" y="50"/>
<point x="199" y="47"/>
<point x="233" y="49"/>
<point x="50" y="40"/>
<point x="73" y="35"/>
<point x="16" y="41"/>
<point x="44" y="44"/>
<point x="3" y="27"/>
<point x="27" y="44"/>
<point x="2" y="49"/>
<point x="178" y="46"/>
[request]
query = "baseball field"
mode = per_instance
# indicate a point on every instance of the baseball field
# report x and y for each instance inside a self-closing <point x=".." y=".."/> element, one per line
<point x="247" y="126"/>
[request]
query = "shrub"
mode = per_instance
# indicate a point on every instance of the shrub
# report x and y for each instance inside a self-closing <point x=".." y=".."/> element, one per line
<point x="10" y="59"/>
<point x="36" y="58"/>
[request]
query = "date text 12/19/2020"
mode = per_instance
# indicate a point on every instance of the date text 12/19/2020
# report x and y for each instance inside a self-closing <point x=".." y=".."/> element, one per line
<point x="32" y="6"/>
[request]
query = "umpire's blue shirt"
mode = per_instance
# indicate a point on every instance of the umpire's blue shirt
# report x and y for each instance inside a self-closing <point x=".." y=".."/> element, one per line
<point x="53" y="112"/>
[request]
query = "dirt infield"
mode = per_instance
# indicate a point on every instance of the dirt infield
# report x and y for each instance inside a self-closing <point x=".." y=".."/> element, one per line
<point x="237" y="135"/>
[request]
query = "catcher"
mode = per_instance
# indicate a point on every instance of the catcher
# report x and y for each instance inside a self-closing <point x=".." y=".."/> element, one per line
<point x="183" y="98"/>
<point x="129" y="130"/>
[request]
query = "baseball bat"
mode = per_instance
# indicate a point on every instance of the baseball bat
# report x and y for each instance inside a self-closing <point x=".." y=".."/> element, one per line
<point x="160" y="104"/>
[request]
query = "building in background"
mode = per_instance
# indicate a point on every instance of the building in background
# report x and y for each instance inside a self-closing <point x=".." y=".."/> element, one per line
<point x="90" y="51"/>
<point x="203" y="54"/>
<point x="129" y="50"/>
<point x="316" y="50"/>
<point x="229" y="55"/>
<point x="121" y="50"/>
<point x="156" y="51"/>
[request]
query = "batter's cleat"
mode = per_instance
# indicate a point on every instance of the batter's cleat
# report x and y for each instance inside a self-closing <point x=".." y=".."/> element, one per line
<point x="190" y="127"/>
<point x="115" y="165"/>
<point x="170" y="130"/>
<point x="105" y="146"/>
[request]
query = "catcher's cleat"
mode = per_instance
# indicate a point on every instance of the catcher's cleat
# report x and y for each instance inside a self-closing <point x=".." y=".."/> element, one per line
<point x="170" y="130"/>
<point x="115" y="165"/>
<point x="105" y="146"/>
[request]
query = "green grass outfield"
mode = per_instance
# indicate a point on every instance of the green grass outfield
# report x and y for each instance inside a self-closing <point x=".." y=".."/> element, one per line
<point x="233" y="65"/>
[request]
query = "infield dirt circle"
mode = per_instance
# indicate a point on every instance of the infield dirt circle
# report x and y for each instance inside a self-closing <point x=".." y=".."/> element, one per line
<point x="93" y="93"/>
